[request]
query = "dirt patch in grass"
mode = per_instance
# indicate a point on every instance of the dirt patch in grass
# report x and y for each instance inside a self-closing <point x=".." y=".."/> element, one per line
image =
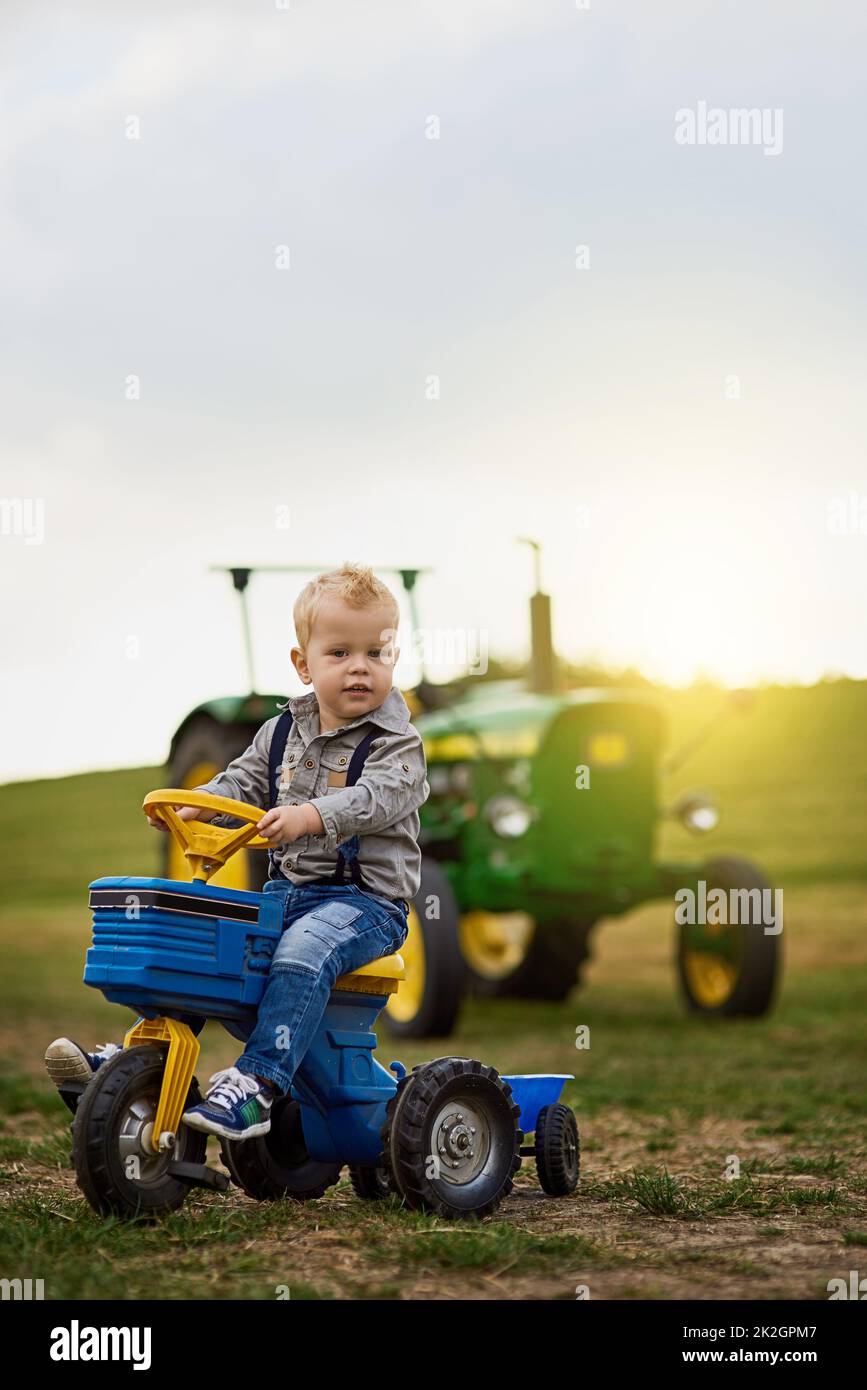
<point x="766" y="1245"/>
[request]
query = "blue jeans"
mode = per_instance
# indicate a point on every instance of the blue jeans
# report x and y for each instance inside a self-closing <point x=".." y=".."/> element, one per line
<point x="328" y="930"/>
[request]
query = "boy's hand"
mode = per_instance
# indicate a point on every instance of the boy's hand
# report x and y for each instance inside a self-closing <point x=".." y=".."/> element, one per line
<point x="287" y="823"/>
<point x="185" y="813"/>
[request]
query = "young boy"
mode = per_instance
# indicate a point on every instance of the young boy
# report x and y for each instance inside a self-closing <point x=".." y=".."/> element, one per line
<point x="345" y="621"/>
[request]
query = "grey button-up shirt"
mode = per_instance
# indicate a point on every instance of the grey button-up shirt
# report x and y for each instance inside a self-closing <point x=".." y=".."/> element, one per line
<point x="382" y="807"/>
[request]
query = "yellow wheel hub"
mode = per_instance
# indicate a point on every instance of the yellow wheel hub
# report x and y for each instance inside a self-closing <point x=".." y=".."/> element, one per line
<point x="494" y="944"/>
<point x="711" y="978"/>
<point x="404" y="1005"/>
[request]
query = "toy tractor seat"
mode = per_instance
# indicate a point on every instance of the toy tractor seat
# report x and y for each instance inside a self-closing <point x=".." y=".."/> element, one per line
<point x="380" y="976"/>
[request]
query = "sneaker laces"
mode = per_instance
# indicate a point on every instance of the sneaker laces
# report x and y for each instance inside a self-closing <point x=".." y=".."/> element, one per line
<point x="107" y="1049"/>
<point x="229" y="1085"/>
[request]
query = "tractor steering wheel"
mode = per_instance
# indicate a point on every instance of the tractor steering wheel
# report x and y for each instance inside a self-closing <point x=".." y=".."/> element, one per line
<point x="205" y="846"/>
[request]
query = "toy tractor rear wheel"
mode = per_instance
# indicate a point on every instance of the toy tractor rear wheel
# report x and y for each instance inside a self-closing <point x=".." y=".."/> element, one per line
<point x="729" y="970"/>
<point x="205" y="748"/>
<point x="277" y="1164"/>
<point x="558" y="1150"/>
<point x="428" y="1001"/>
<point x="510" y="954"/>
<point x="451" y="1140"/>
<point x="116" y="1169"/>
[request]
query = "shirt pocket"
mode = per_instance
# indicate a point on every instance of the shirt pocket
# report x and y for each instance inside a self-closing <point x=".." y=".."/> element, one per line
<point x="288" y="768"/>
<point x="333" y="769"/>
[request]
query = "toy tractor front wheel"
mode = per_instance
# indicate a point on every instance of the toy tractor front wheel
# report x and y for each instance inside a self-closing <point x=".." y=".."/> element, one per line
<point x="277" y="1164"/>
<point x="730" y="969"/>
<point x="116" y="1168"/>
<point x="451" y="1140"/>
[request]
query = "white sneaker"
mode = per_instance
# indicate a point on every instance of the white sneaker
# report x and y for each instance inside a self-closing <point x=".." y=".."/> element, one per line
<point x="66" y="1061"/>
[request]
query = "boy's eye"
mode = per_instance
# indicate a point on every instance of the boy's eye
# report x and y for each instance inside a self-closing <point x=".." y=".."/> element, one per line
<point x="341" y="651"/>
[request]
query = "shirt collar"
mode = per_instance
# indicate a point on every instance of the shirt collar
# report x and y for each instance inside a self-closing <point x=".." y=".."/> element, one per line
<point x="393" y="714"/>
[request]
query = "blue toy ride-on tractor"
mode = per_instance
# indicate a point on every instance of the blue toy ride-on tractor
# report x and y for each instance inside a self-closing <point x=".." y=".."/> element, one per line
<point x="446" y="1137"/>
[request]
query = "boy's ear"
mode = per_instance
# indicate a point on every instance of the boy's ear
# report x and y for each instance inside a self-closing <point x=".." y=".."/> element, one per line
<point x="300" y="664"/>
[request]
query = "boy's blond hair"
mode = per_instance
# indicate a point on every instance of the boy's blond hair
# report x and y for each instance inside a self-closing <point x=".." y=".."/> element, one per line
<point x="356" y="585"/>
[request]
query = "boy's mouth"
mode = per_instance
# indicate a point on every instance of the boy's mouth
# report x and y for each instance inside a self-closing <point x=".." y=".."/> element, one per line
<point x="357" y="690"/>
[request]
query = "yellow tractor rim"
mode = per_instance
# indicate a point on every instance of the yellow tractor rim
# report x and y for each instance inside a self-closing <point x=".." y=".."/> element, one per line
<point x="711" y="978"/>
<point x="494" y="944"/>
<point x="234" y="873"/>
<point x="406" y="1003"/>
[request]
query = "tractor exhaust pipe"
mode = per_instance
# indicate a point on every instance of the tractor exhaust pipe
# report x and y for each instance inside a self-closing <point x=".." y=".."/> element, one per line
<point x="544" y="674"/>
<point x="543" y="669"/>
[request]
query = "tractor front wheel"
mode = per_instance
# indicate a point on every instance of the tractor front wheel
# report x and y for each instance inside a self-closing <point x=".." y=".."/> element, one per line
<point x="730" y="969"/>
<point x="116" y="1167"/>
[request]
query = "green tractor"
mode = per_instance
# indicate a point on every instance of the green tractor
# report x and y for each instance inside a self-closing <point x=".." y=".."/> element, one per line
<point x="541" y="820"/>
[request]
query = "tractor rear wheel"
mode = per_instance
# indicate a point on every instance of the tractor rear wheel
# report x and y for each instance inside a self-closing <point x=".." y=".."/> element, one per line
<point x="508" y="953"/>
<point x="277" y="1164"/>
<point x="451" y="1141"/>
<point x="428" y="1001"/>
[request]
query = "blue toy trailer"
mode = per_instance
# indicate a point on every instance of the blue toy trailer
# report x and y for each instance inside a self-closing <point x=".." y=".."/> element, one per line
<point x="446" y="1137"/>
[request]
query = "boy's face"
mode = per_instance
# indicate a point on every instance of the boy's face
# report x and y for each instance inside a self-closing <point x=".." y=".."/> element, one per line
<point x="348" y="647"/>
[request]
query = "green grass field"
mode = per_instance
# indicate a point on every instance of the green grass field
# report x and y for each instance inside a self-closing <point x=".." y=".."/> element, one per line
<point x="664" y="1101"/>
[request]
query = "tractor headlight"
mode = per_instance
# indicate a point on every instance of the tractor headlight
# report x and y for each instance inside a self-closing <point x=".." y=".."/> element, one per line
<point x="508" y="816"/>
<point x="697" y="812"/>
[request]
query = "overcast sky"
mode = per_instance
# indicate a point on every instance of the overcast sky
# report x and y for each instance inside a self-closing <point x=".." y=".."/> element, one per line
<point x="345" y="339"/>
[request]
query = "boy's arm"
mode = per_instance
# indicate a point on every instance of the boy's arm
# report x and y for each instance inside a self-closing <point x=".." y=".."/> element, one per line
<point x="393" y="783"/>
<point x="246" y="777"/>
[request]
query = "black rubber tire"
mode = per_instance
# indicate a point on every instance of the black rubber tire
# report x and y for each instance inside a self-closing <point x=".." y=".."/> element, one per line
<point x="558" y="1150"/>
<point x="134" y="1075"/>
<point x="407" y="1142"/>
<point x="277" y="1164"/>
<point x="392" y="1111"/>
<point x="204" y="740"/>
<point x="443" y="986"/>
<point x="550" y="970"/>
<point x="760" y="954"/>
<point x="370" y="1184"/>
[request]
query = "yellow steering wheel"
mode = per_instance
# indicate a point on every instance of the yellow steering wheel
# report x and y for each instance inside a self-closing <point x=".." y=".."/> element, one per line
<point x="206" y="847"/>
